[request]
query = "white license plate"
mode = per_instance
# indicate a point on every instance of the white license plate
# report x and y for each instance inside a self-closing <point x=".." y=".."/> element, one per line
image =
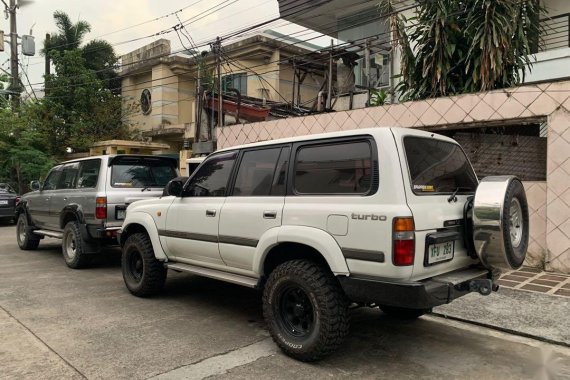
<point x="440" y="252"/>
<point x="121" y="214"/>
<point x="3" y="202"/>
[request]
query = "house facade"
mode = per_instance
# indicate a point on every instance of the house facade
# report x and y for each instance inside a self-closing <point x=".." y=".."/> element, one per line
<point x="164" y="85"/>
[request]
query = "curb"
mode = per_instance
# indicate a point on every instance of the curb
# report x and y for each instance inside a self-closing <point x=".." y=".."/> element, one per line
<point x="501" y="329"/>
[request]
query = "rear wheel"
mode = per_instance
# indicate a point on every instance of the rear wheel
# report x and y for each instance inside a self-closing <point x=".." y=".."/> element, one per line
<point x="305" y="310"/>
<point x="144" y="275"/>
<point x="73" y="247"/>
<point x="403" y="313"/>
<point x="26" y="239"/>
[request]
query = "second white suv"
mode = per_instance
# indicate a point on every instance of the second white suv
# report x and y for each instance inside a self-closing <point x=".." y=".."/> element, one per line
<point x="386" y="217"/>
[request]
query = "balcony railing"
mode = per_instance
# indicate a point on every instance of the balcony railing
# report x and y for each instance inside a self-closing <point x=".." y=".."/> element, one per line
<point x="555" y="32"/>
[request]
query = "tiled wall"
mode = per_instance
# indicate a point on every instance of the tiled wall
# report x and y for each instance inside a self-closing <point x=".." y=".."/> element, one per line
<point x="550" y="100"/>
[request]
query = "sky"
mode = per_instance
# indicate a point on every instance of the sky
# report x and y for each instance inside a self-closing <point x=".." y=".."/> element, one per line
<point x="116" y="20"/>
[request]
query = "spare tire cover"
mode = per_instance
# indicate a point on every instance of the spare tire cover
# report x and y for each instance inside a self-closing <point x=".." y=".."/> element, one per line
<point x="500" y="222"/>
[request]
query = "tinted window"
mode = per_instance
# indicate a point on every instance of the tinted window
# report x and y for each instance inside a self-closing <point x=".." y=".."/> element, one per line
<point x="88" y="174"/>
<point x="255" y="174"/>
<point x="343" y="168"/>
<point x="52" y="178"/>
<point x="211" y="179"/>
<point x="138" y="172"/>
<point x="280" y="179"/>
<point x="68" y="177"/>
<point x="438" y="166"/>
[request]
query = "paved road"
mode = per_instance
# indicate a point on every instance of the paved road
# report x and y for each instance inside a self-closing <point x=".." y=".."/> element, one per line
<point x="60" y="323"/>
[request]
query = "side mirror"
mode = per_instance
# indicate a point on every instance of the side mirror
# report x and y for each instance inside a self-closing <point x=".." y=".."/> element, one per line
<point x="174" y="187"/>
<point x="35" y="185"/>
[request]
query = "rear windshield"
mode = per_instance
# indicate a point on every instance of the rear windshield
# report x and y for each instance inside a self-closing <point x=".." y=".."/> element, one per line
<point x="139" y="172"/>
<point x="438" y="167"/>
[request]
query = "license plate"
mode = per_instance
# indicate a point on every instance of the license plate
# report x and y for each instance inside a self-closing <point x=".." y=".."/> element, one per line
<point x="3" y="202"/>
<point x="440" y="252"/>
<point x="121" y="214"/>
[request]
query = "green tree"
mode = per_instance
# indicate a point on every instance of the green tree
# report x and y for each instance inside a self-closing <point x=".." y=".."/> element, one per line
<point x="465" y="46"/>
<point x="98" y="55"/>
<point x="22" y="148"/>
<point x="78" y="109"/>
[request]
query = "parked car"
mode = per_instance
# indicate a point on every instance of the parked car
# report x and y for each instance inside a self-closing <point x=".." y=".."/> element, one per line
<point x="9" y="199"/>
<point x="83" y="202"/>
<point x="386" y="217"/>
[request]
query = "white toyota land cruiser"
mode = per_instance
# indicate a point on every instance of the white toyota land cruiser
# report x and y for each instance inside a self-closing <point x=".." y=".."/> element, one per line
<point x="386" y="217"/>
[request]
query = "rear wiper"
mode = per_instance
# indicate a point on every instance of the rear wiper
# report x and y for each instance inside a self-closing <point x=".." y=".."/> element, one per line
<point x="453" y="197"/>
<point x="146" y="187"/>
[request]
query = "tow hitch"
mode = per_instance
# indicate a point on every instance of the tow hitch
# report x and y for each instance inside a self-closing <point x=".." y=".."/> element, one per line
<point x="483" y="286"/>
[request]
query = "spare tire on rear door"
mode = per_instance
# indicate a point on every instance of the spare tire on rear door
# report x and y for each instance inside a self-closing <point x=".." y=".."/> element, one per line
<point x="500" y="222"/>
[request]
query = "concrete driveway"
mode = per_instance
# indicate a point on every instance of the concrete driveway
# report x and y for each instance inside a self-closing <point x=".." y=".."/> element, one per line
<point x="58" y="323"/>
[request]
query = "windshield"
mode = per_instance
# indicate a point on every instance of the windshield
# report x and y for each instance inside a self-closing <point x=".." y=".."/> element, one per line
<point x="438" y="167"/>
<point x="137" y="172"/>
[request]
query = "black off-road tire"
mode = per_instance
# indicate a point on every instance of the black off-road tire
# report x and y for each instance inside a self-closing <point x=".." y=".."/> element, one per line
<point x="403" y="313"/>
<point x="515" y="194"/>
<point x="27" y="241"/>
<point x="144" y="275"/>
<point x="317" y="286"/>
<point x="73" y="247"/>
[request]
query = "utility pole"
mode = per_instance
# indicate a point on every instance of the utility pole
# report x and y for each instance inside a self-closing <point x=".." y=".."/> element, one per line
<point x="219" y="68"/>
<point x="15" y="82"/>
<point x="47" y="62"/>
<point x="329" y="87"/>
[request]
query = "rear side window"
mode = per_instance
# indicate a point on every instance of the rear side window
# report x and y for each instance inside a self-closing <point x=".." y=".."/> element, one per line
<point x="139" y="172"/>
<point x="88" y="174"/>
<point x="337" y="168"/>
<point x="438" y="166"/>
<point x="255" y="174"/>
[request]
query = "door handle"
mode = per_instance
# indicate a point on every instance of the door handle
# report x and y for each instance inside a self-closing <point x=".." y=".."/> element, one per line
<point x="211" y="213"/>
<point x="269" y="214"/>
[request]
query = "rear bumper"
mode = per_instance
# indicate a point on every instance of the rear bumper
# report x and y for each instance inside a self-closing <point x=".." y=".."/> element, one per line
<point x="414" y="294"/>
<point x="98" y="232"/>
<point x="7" y="212"/>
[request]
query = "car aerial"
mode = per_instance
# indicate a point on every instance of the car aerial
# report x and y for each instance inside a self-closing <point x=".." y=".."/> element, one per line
<point x="83" y="202"/>
<point x="385" y="217"/>
<point x="9" y="199"/>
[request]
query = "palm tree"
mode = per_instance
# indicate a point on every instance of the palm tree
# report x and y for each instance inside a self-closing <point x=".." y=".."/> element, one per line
<point x="98" y="55"/>
<point x="465" y="46"/>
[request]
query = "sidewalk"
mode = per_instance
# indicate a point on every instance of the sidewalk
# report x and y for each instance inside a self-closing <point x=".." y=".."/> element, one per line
<point x="529" y="303"/>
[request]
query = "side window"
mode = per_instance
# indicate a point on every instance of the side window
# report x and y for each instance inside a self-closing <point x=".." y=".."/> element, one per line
<point x="211" y="180"/>
<point x="337" y="168"/>
<point x="68" y="177"/>
<point x="255" y="173"/>
<point x="88" y="174"/>
<point x="52" y="178"/>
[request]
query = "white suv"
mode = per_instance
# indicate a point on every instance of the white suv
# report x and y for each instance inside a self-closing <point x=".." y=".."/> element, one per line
<point x="386" y="217"/>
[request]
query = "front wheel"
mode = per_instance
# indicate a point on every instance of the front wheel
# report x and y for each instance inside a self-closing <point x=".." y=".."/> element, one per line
<point x="144" y="275"/>
<point x="73" y="247"/>
<point x="26" y="240"/>
<point x="305" y="310"/>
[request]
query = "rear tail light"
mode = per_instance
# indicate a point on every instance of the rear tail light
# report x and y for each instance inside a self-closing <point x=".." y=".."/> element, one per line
<point x="404" y="241"/>
<point x="18" y="199"/>
<point x="101" y="207"/>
